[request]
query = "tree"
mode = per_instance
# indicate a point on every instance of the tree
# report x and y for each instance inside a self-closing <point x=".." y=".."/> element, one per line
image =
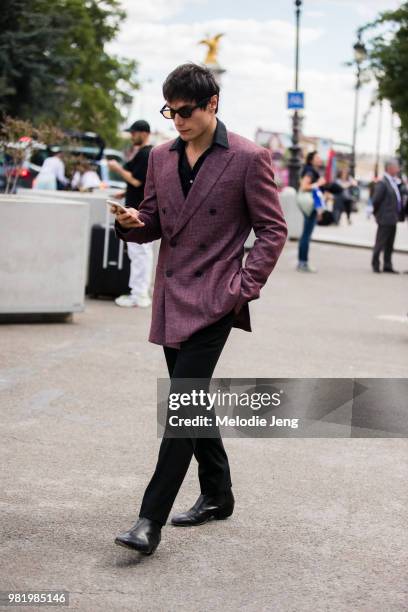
<point x="54" y="66"/>
<point x="17" y="139"/>
<point x="29" y="63"/>
<point x="388" y="53"/>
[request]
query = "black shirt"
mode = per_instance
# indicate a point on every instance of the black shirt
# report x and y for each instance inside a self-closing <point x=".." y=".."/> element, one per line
<point x="308" y="170"/>
<point x="188" y="174"/>
<point x="137" y="166"/>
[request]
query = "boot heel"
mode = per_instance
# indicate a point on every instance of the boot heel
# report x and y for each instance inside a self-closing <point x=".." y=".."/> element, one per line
<point x="224" y="513"/>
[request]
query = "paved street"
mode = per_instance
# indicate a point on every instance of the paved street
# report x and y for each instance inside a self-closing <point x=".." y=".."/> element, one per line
<point x="320" y="524"/>
<point x="361" y="232"/>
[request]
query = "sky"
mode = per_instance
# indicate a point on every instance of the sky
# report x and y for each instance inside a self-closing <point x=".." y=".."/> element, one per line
<point x="257" y="53"/>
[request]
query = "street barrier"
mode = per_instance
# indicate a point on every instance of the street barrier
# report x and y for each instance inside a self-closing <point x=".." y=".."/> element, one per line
<point x="43" y="253"/>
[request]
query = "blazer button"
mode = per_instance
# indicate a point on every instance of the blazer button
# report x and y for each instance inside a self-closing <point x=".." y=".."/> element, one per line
<point x="169" y="273"/>
<point x="213" y="211"/>
<point x="202" y="246"/>
<point x="173" y="242"/>
<point x="198" y="273"/>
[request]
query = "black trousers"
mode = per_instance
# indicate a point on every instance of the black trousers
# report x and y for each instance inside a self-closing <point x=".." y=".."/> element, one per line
<point x="196" y="358"/>
<point x="384" y="241"/>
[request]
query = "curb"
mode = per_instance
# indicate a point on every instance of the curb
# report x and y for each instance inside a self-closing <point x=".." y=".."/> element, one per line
<point x="345" y="243"/>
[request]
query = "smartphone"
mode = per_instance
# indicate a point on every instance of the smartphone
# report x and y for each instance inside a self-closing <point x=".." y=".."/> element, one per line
<point x="118" y="207"/>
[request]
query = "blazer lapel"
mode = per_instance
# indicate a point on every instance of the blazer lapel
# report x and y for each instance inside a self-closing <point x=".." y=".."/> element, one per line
<point x="171" y="179"/>
<point x="209" y="173"/>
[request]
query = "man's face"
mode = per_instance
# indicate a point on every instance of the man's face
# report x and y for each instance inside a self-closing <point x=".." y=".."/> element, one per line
<point x="393" y="169"/>
<point x="198" y="123"/>
<point x="137" y="138"/>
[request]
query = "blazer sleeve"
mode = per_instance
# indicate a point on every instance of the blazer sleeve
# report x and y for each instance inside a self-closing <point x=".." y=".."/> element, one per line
<point x="268" y="224"/>
<point x="148" y="213"/>
<point x="378" y="196"/>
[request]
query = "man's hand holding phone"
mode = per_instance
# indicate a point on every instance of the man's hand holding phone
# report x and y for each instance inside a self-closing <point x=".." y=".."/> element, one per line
<point x="126" y="217"/>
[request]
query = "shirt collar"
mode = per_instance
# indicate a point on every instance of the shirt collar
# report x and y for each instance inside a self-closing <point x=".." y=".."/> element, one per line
<point x="220" y="138"/>
<point x="392" y="179"/>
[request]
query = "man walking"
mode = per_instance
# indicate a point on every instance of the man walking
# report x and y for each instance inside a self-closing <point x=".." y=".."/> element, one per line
<point x="388" y="210"/>
<point x="140" y="255"/>
<point x="204" y="193"/>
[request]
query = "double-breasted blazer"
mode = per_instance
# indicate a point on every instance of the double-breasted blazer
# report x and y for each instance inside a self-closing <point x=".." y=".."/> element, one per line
<point x="200" y="276"/>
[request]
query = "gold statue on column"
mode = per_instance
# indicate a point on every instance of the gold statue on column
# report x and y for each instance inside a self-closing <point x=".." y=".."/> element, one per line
<point x="213" y="47"/>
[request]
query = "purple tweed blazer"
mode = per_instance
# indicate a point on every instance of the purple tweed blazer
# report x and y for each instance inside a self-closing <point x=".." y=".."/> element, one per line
<point x="200" y="275"/>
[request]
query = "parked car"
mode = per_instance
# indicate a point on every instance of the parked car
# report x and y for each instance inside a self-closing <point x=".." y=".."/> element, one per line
<point x="108" y="176"/>
<point x="3" y="179"/>
<point x="88" y="145"/>
<point x="9" y="173"/>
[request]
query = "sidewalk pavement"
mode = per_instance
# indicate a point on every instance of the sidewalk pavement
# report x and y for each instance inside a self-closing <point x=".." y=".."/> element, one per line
<point x="361" y="233"/>
<point x="319" y="525"/>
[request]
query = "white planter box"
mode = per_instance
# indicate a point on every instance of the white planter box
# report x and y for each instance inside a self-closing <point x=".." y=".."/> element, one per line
<point x="292" y="214"/>
<point x="96" y="200"/>
<point x="43" y="253"/>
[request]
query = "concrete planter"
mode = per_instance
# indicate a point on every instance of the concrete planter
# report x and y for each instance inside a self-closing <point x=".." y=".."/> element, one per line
<point x="293" y="216"/>
<point x="43" y="253"/>
<point x="95" y="199"/>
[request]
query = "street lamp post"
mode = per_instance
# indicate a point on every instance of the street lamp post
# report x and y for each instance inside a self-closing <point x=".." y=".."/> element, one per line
<point x="295" y="160"/>
<point x="360" y="54"/>
<point x="378" y="145"/>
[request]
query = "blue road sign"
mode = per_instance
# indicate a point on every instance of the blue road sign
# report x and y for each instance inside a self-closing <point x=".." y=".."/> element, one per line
<point x="296" y="100"/>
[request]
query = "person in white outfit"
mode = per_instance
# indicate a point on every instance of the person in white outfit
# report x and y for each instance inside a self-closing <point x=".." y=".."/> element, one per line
<point x="52" y="174"/>
<point x="140" y="255"/>
<point x="85" y="178"/>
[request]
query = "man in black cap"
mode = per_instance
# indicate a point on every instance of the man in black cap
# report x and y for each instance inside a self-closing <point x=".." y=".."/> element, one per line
<point x="140" y="255"/>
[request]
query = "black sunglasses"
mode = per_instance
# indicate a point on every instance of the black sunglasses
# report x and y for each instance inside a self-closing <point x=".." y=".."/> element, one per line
<point x="184" y="111"/>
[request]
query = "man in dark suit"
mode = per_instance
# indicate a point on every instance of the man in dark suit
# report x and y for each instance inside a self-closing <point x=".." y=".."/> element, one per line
<point x="388" y="210"/>
<point x="204" y="193"/>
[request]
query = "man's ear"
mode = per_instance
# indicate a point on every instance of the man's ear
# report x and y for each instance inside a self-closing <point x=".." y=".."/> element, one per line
<point x="214" y="103"/>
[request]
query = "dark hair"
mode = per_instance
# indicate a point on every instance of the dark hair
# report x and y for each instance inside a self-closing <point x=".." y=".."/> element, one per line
<point x="309" y="157"/>
<point x="190" y="82"/>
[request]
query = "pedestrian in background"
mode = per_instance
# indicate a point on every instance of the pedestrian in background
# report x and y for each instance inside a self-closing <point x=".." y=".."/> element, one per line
<point x="310" y="182"/>
<point x="52" y="173"/>
<point x="140" y="255"/>
<point x="388" y="210"/>
<point x="344" y="198"/>
<point x="85" y="177"/>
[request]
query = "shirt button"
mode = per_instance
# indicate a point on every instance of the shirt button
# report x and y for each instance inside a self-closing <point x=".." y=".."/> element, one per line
<point x="191" y="181"/>
<point x="169" y="273"/>
<point x="164" y="211"/>
<point x="213" y="211"/>
<point x="198" y="273"/>
<point x="173" y="242"/>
